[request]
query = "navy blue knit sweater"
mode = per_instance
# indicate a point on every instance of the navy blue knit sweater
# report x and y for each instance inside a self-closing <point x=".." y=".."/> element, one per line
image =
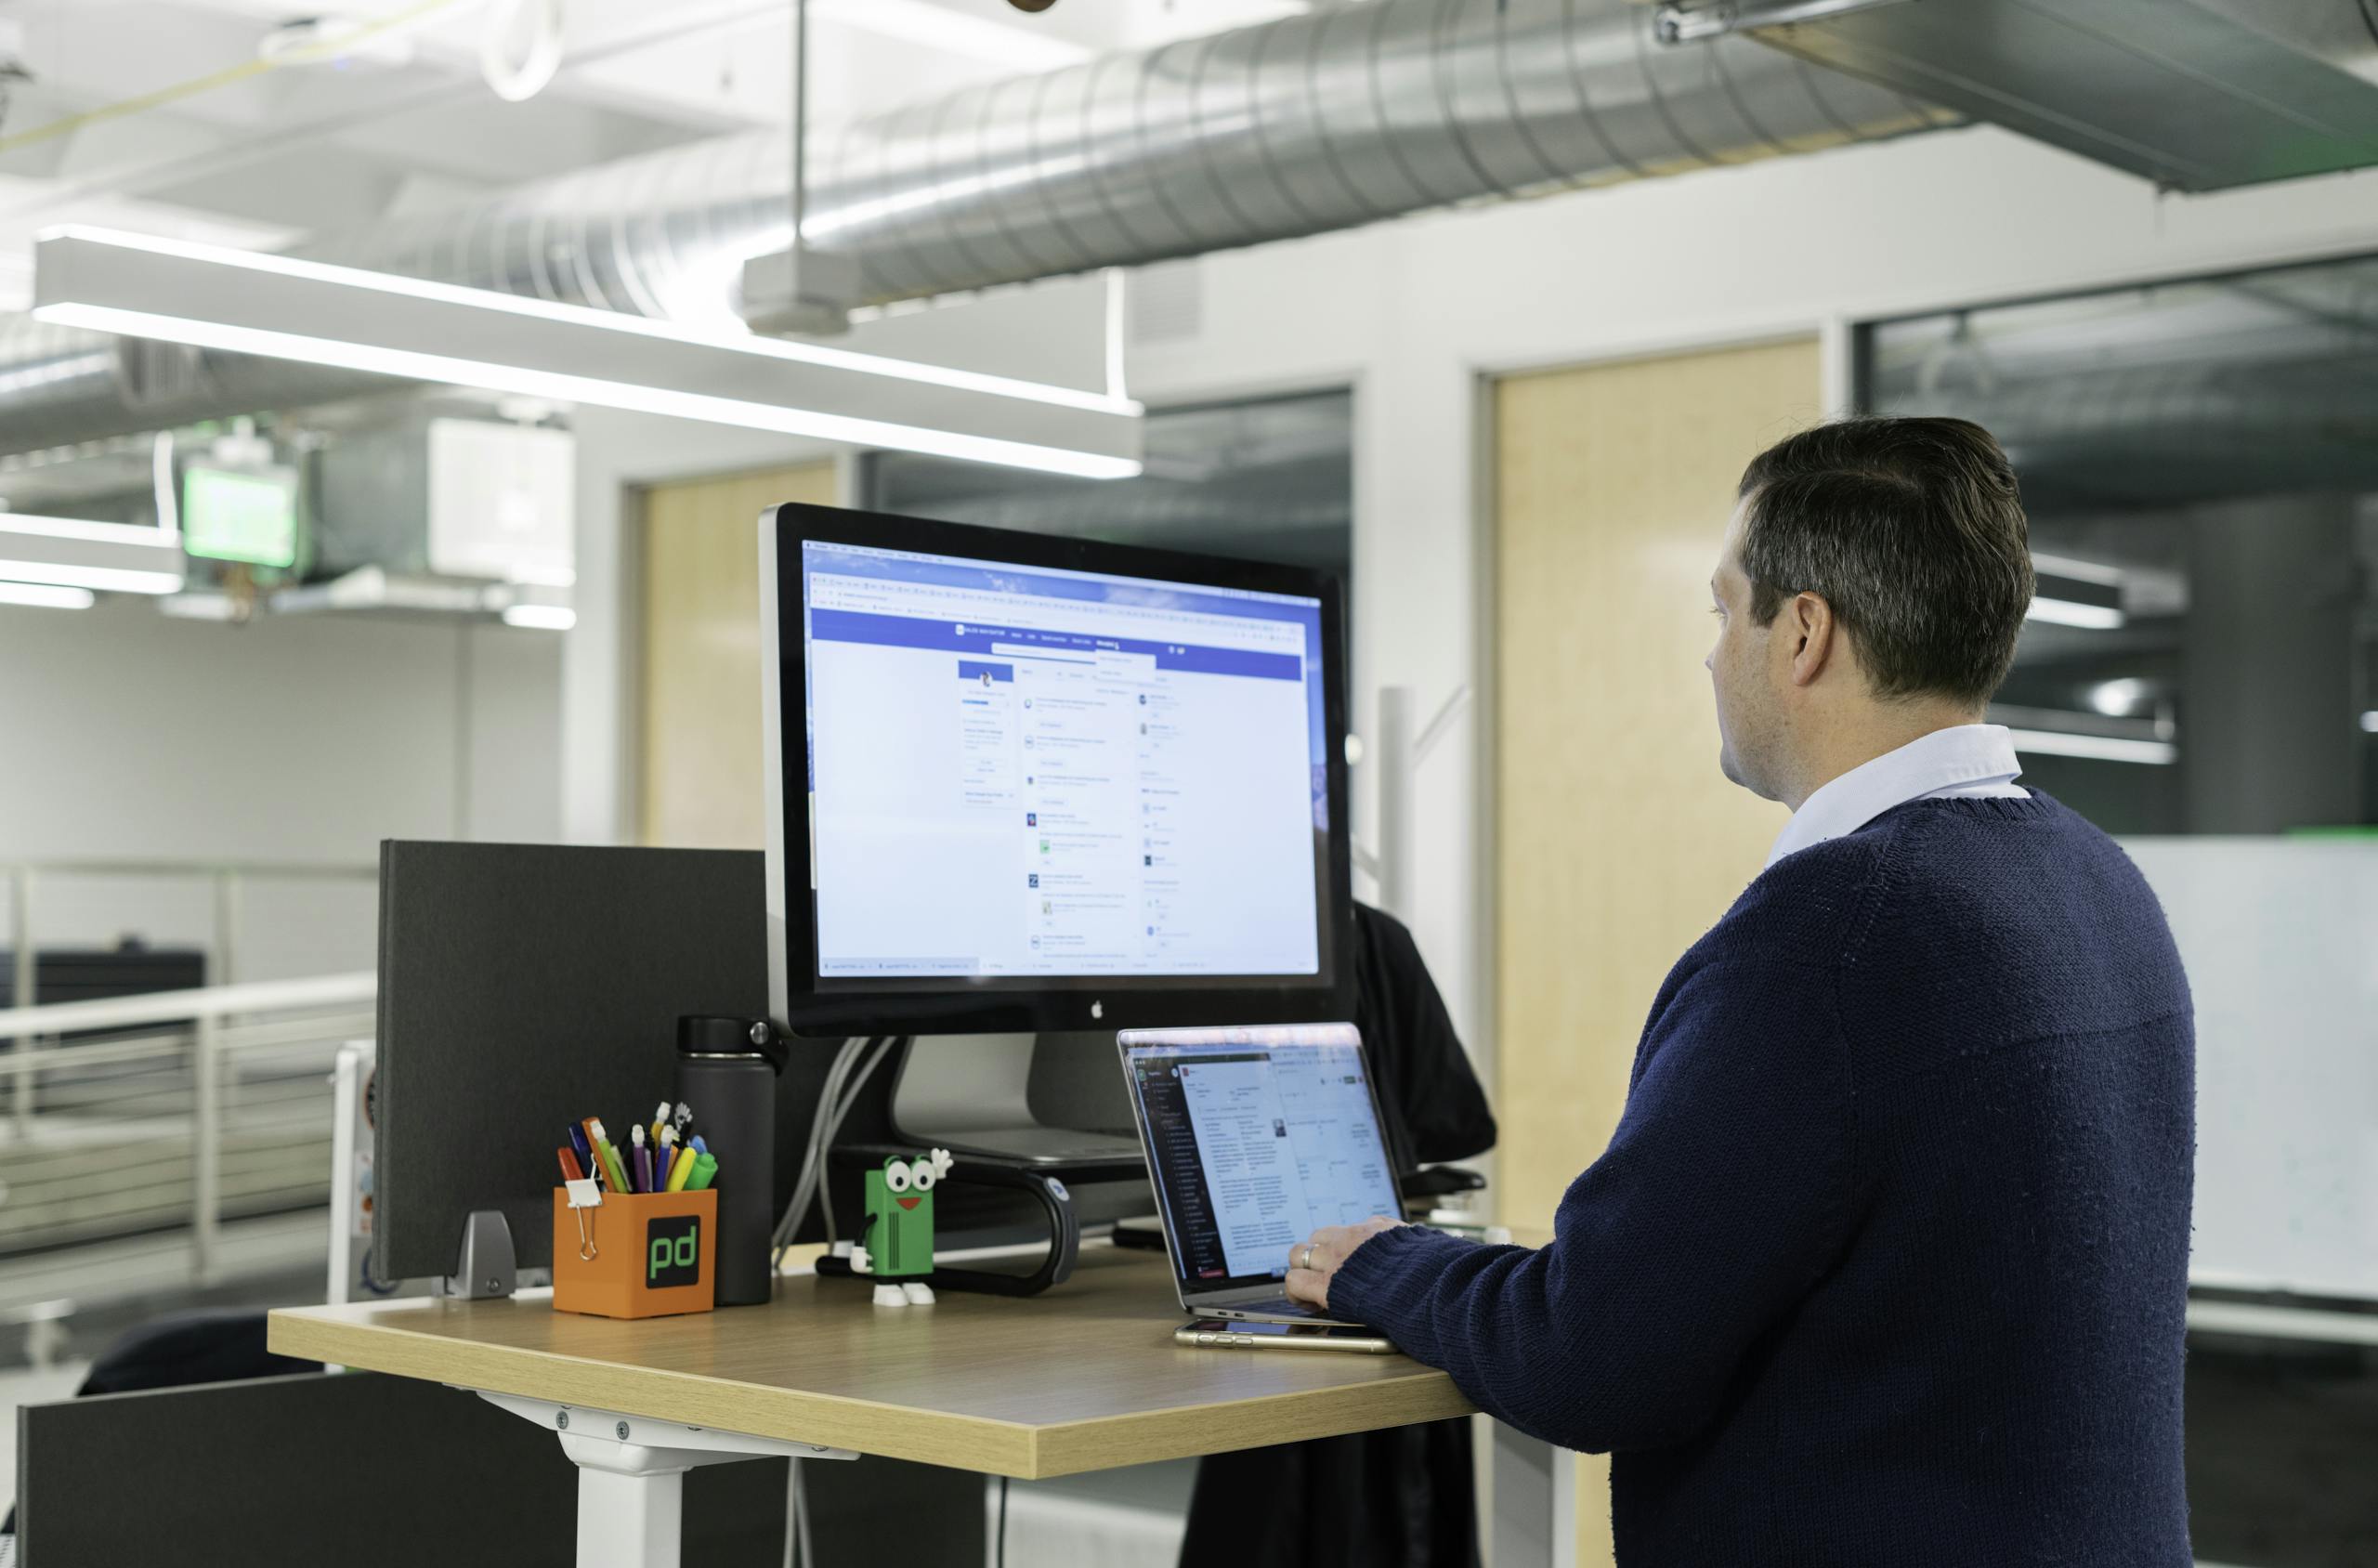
<point x="1886" y="1262"/>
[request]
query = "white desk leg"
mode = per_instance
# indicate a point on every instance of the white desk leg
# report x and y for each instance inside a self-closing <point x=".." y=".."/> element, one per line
<point x="1536" y="1502"/>
<point x="631" y="1475"/>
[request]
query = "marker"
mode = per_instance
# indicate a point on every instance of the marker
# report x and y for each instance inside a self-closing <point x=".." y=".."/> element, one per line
<point x="659" y="1120"/>
<point x="613" y="1171"/>
<point x="679" y="1173"/>
<point x="571" y="1169"/>
<point x="586" y="1150"/>
<point x="682" y="1119"/>
<point x="640" y="1161"/>
<point x="705" y="1167"/>
<point x="696" y="1144"/>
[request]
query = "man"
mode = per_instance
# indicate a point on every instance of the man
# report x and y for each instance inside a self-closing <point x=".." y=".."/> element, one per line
<point x="1887" y="1261"/>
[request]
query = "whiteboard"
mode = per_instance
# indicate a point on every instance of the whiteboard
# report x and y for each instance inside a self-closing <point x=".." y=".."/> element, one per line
<point x="2280" y="940"/>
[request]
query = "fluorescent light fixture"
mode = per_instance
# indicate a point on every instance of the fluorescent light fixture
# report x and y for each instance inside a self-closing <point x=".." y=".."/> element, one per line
<point x="540" y="617"/>
<point x="2064" y="612"/>
<point x="283" y="308"/>
<point x="2102" y="748"/>
<point x="2118" y="698"/>
<point x="2076" y="592"/>
<point x="71" y="552"/>
<point x="46" y="595"/>
<point x="2076" y="569"/>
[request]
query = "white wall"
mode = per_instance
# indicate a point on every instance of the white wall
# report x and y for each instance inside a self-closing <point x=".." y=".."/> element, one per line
<point x="130" y="736"/>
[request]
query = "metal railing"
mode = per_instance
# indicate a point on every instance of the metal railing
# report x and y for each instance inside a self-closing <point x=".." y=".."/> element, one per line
<point x="167" y="1115"/>
<point x="228" y="880"/>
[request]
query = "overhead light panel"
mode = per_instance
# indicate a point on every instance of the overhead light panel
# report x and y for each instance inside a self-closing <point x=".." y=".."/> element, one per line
<point x="46" y="595"/>
<point x="2100" y="748"/>
<point x="540" y="617"/>
<point x="2075" y="592"/>
<point x="287" y="309"/>
<point x="70" y="552"/>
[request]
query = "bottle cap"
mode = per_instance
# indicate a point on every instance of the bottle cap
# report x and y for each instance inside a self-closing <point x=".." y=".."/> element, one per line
<point x="705" y="1033"/>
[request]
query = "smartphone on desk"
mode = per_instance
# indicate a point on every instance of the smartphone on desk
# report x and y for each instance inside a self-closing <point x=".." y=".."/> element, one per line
<point x="1237" y="1334"/>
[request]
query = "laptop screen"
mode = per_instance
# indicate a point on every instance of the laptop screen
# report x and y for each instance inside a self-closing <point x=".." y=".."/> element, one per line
<point x="1256" y="1138"/>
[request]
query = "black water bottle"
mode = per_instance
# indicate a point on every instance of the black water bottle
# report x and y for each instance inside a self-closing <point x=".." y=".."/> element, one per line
<point x="726" y="1073"/>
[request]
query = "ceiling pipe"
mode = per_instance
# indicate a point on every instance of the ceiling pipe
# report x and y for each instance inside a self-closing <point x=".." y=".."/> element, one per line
<point x="1344" y="116"/>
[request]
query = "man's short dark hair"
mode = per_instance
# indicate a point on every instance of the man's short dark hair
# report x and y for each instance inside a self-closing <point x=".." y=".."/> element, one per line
<point x="1912" y="532"/>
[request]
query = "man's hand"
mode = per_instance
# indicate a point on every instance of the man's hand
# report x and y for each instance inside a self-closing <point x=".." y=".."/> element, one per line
<point x="1312" y="1263"/>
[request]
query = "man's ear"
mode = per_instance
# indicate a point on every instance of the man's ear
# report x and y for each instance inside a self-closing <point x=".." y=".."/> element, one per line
<point x="1815" y="636"/>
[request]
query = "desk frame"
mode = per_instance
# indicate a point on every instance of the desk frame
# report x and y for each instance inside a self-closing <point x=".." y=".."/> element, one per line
<point x="817" y="1375"/>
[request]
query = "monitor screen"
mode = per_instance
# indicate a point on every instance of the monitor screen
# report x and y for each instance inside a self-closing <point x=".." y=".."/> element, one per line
<point x="1021" y="775"/>
<point x="1257" y="1138"/>
<point x="248" y="516"/>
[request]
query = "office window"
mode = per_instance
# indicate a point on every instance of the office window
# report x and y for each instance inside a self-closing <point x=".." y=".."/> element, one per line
<point x="2200" y="677"/>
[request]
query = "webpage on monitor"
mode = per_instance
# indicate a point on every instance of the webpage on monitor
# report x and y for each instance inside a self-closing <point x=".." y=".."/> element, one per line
<point x="1031" y="772"/>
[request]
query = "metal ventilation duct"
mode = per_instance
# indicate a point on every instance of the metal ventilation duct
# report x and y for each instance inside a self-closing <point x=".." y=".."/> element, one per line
<point x="1318" y="123"/>
<point x="2195" y="95"/>
<point x="1323" y="122"/>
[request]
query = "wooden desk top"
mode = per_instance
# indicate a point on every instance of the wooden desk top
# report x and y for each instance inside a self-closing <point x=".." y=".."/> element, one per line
<point x="1085" y="1377"/>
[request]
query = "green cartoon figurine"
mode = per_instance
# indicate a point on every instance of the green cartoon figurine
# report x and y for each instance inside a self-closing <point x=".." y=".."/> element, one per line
<point x="896" y="1246"/>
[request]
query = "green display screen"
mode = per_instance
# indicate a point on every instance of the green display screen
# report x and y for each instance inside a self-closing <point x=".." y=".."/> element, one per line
<point x="229" y="516"/>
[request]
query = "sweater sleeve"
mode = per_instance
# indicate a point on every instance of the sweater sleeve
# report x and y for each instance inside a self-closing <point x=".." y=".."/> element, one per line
<point x="1722" y="1199"/>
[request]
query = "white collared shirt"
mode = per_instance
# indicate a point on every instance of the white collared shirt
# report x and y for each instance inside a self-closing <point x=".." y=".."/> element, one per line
<point x="1962" y="762"/>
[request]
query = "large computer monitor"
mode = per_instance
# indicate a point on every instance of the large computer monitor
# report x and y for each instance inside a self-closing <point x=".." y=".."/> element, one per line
<point x="1020" y="782"/>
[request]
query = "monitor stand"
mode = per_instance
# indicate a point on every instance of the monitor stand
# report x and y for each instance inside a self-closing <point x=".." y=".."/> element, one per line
<point x="1039" y="1101"/>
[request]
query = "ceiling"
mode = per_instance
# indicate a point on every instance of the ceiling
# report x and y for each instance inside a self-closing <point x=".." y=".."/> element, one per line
<point x="157" y="116"/>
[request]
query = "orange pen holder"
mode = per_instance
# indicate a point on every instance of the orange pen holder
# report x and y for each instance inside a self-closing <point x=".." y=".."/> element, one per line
<point x="635" y="1254"/>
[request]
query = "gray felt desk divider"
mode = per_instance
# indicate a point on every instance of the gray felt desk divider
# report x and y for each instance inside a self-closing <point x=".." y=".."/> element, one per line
<point x="523" y="987"/>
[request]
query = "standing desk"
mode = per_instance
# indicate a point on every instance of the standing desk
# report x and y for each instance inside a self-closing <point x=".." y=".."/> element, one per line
<point x="1084" y="1377"/>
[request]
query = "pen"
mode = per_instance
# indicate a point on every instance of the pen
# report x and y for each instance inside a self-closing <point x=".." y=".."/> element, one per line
<point x="682" y="1170"/>
<point x="584" y="1150"/>
<point x="571" y="1169"/>
<point x="659" y="1120"/>
<point x="705" y="1167"/>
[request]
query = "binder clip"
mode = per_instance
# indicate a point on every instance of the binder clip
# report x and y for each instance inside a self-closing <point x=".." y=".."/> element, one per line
<point x="584" y="1194"/>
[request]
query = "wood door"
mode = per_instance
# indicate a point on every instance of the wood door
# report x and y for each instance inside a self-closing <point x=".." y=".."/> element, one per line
<point x="1618" y="842"/>
<point x="700" y="773"/>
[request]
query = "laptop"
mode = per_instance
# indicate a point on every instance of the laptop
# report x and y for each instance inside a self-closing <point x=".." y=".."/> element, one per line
<point x="1256" y="1137"/>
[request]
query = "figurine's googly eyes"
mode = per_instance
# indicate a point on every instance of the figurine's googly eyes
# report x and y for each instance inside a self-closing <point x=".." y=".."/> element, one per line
<point x="896" y="1176"/>
<point x="922" y="1174"/>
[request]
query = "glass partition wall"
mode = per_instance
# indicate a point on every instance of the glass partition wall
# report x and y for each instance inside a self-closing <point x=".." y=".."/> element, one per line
<point x="2201" y="463"/>
<point x="2200" y="677"/>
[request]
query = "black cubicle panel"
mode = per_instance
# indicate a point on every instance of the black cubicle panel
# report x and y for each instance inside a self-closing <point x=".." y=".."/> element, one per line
<point x="354" y="1469"/>
<point x="525" y="987"/>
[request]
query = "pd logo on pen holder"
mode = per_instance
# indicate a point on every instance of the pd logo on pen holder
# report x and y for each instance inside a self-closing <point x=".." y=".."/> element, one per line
<point x="635" y="1254"/>
<point x="672" y="1251"/>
